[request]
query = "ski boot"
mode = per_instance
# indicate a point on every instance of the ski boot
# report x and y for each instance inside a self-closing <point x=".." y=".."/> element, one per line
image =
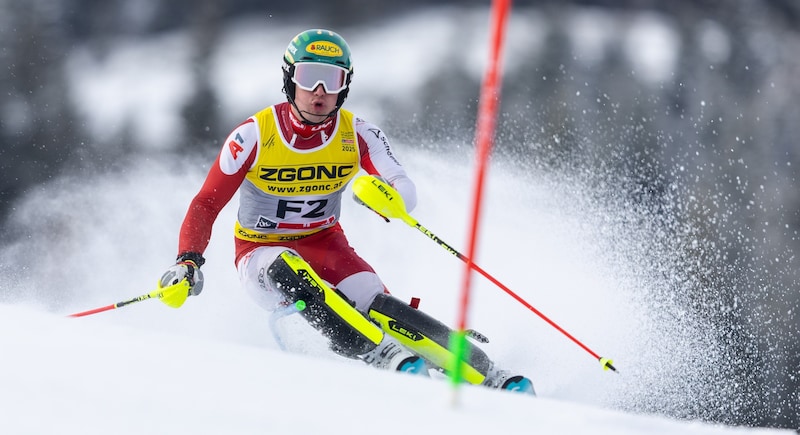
<point x="391" y="355"/>
<point x="504" y="380"/>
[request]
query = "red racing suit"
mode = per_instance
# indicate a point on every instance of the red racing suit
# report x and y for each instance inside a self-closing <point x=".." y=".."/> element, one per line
<point x="291" y="177"/>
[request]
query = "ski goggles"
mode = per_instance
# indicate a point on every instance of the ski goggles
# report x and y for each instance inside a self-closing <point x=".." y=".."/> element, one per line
<point x="308" y="76"/>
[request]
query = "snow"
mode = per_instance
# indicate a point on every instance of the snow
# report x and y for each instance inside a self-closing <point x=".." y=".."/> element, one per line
<point x="64" y="375"/>
<point x="213" y="367"/>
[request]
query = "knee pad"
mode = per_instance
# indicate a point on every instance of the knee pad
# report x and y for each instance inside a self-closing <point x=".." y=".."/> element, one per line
<point x="350" y="332"/>
<point x="426" y="336"/>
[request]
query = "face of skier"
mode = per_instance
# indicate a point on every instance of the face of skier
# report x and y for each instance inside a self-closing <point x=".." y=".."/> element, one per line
<point x="317" y="88"/>
<point x="314" y="105"/>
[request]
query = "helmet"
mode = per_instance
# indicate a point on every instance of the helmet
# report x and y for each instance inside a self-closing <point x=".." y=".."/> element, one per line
<point x="320" y="46"/>
<point x="316" y="46"/>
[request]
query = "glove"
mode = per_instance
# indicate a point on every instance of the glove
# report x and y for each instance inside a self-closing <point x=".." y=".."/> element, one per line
<point x="186" y="269"/>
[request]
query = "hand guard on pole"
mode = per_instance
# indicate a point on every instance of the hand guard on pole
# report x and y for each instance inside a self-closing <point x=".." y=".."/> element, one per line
<point x="360" y="202"/>
<point x="187" y="268"/>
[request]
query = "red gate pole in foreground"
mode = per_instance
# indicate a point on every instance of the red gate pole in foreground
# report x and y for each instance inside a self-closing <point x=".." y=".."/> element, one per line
<point x="484" y="138"/>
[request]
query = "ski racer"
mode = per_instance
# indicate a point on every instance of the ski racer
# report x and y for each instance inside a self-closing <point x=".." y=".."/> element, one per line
<point x="290" y="163"/>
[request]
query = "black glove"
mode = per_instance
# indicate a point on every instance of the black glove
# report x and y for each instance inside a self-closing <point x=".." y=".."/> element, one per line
<point x="188" y="267"/>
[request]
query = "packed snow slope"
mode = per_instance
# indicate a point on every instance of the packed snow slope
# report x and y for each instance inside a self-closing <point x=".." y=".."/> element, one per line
<point x="574" y="250"/>
<point x="74" y="377"/>
<point x="213" y="366"/>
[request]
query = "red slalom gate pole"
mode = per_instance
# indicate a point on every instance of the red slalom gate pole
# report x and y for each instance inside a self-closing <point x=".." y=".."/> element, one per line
<point x="484" y="137"/>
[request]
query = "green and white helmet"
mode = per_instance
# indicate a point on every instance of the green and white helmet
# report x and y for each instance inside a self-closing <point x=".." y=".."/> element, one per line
<point x="326" y="49"/>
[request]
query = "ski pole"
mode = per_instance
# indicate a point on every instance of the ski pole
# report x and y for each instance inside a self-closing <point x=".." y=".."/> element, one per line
<point x="165" y="292"/>
<point x="376" y="194"/>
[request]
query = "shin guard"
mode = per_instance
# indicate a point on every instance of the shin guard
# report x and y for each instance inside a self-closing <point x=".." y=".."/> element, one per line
<point x="426" y="336"/>
<point x="350" y="332"/>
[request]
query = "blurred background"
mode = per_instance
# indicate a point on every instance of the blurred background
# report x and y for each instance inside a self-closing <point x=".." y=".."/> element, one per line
<point x="684" y="110"/>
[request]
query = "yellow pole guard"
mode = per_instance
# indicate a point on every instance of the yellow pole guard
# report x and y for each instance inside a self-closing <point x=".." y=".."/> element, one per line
<point x="175" y="295"/>
<point x="381" y="197"/>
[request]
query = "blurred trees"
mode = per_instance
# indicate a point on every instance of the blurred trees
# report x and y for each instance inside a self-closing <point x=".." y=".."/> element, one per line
<point x="38" y="131"/>
<point x="721" y="130"/>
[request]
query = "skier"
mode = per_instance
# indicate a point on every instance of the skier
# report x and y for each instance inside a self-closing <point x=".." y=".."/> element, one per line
<point x="291" y="163"/>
